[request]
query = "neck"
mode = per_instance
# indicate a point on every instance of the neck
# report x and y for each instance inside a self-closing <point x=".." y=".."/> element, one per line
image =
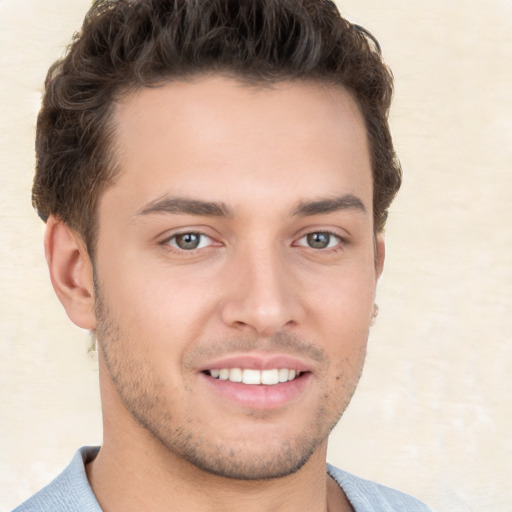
<point x="151" y="479"/>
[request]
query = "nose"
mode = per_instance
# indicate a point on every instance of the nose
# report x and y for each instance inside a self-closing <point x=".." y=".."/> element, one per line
<point x="263" y="296"/>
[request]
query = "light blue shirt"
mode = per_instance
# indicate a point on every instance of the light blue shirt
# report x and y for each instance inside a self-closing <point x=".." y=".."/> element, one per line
<point x="71" y="492"/>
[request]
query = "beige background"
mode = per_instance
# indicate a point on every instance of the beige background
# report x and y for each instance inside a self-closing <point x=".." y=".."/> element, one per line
<point x="433" y="414"/>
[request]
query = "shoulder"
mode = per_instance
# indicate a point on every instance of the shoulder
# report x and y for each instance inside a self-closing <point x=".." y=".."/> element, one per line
<point x="69" y="492"/>
<point x="368" y="496"/>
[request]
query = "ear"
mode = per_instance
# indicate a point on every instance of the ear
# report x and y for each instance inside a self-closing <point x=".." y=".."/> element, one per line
<point x="380" y="254"/>
<point x="71" y="272"/>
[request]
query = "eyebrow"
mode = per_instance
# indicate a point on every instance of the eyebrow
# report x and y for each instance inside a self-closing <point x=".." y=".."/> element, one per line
<point x="325" y="206"/>
<point x="183" y="206"/>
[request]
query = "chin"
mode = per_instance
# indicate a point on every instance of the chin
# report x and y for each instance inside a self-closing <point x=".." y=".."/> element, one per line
<point x="262" y="452"/>
<point x="240" y="463"/>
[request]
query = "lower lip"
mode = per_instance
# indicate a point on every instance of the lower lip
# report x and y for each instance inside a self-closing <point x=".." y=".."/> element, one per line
<point x="259" y="396"/>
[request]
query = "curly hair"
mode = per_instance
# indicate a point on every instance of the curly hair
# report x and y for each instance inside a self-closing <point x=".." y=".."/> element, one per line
<point x="124" y="45"/>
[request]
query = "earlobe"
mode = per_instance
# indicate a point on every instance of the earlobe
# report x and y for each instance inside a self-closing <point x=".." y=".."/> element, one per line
<point x="71" y="272"/>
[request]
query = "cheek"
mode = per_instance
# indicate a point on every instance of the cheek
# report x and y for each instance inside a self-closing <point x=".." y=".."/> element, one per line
<point x="343" y="315"/>
<point x="161" y="309"/>
<point x="345" y="303"/>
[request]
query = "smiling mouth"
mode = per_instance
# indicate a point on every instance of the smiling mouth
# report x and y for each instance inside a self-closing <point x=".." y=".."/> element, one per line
<point x="255" y="377"/>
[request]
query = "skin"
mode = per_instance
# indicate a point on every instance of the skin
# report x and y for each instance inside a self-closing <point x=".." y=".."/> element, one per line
<point x="278" y="164"/>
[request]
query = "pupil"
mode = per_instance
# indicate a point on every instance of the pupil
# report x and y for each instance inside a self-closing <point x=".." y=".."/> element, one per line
<point x="187" y="241"/>
<point x="318" y="240"/>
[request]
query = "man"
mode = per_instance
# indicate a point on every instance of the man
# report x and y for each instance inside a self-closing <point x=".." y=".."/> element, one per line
<point x="215" y="178"/>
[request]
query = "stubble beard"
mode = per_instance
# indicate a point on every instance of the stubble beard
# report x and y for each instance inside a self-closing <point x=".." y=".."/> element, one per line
<point x="145" y="398"/>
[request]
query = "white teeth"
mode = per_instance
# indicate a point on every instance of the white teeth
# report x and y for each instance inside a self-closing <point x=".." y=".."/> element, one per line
<point x="235" y="375"/>
<point x="255" y="377"/>
<point x="283" y="375"/>
<point x="270" y="377"/>
<point x="252" y="377"/>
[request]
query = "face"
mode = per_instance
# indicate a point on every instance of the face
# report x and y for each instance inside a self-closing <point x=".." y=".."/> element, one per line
<point x="236" y="270"/>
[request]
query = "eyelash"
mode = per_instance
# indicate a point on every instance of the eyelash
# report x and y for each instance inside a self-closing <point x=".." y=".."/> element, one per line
<point x="340" y="241"/>
<point x="169" y="241"/>
<point x="171" y="244"/>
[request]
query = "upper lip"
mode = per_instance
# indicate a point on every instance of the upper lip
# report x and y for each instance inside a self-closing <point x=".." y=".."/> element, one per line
<point x="258" y="362"/>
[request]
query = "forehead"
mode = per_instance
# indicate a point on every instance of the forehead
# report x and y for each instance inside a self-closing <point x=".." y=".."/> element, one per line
<point x="217" y="139"/>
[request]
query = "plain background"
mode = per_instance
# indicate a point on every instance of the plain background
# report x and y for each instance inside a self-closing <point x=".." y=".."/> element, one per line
<point x="433" y="414"/>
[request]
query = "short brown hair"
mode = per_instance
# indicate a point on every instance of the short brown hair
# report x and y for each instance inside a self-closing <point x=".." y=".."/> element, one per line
<point x="127" y="44"/>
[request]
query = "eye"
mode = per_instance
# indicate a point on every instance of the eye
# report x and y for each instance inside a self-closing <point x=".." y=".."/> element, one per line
<point x="319" y="240"/>
<point x="189" y="241"/>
